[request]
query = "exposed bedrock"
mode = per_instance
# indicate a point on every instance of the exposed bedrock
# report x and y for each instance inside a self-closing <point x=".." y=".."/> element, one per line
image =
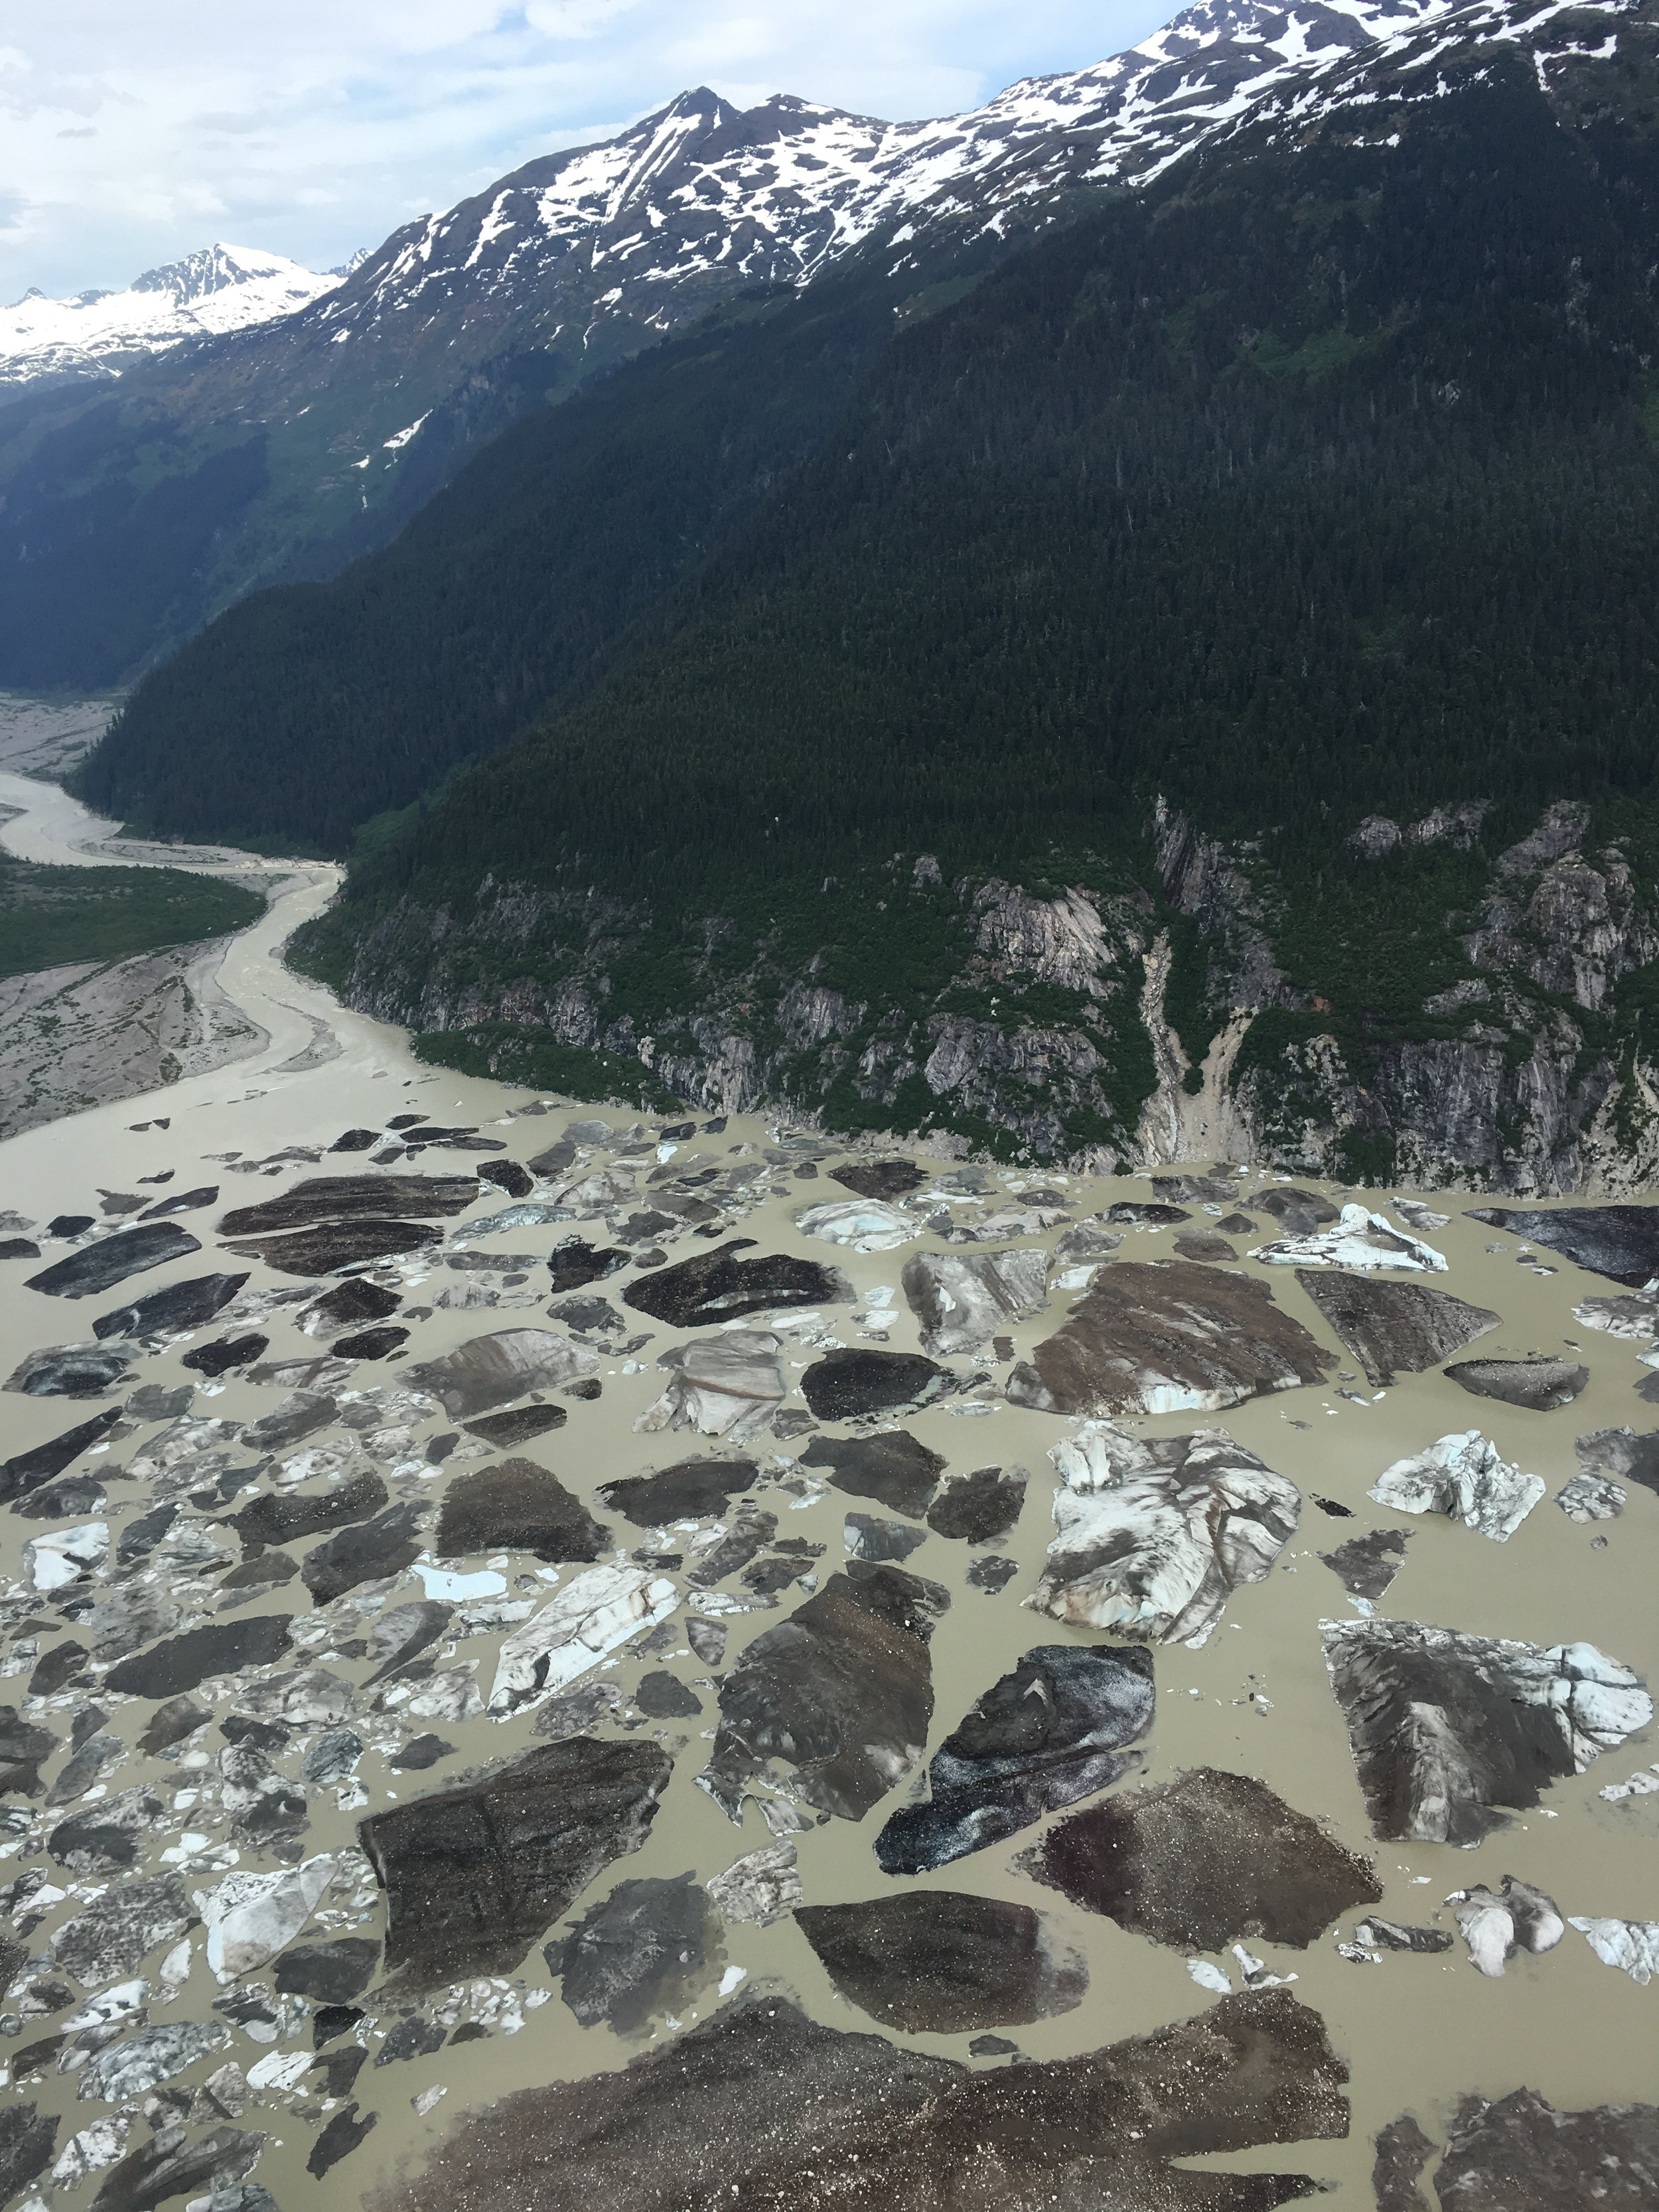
<point x="1160" y="1336"/>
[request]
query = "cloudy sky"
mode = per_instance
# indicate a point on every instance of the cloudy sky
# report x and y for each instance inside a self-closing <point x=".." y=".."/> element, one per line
<point x="128" y="135"/>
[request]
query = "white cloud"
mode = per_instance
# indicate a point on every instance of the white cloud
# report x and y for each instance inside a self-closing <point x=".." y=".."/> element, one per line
<point x="132" y="135"/>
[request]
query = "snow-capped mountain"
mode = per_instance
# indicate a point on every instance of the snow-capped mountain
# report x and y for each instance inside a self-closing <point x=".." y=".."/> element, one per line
<point x="702" y="194"/>
<point x="318" y="421"/>
<point x="218" y="288"/>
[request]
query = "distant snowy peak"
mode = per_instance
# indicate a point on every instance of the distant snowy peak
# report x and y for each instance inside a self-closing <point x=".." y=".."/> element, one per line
<point x="701" y="189"/>
<point x="207" y="293"/>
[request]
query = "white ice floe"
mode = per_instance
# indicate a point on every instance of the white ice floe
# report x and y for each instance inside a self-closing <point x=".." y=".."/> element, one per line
<point x="1633" y="1945"/>
<point x="592" y="1615"/>
<point x="251" y="1917"/>
<point x="1495" y="1925"/>
<point x="864" y="1223"/>
<point x="1153" y="1534"/>
<point x="1209" y="1977"/>
<point x="728" y="1385"/>
<point x="1359" y="1239"/>
<point x="1644" y="1783"/>
<point x="53" y="1561"/>
<point x="1467" y="1479"/>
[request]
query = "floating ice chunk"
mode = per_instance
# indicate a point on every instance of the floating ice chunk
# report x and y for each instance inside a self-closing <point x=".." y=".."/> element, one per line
<point x="281" y="2070"/>
<point x="1358" y="1239"/>
<point x="864" y="1223"/>
<point x="1633" y="1945"/>
<point x="442" y="1583"/>
<point x="1642" y="1783"/>
<point x="53" y="1561"/>
<point x="592" y="1615"/>
<point x="251" y="1917"/>
<point x="1209" y="1977"/>
<point x="1465" y="1477"/>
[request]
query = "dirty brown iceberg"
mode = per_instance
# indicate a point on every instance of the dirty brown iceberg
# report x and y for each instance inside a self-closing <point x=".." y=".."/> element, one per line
<point x="1153" y="1534"/>
<point x="1395" y="1328"/>
<point x="1202" y="1860"/>
<point x="1445" y="1729"/>
<point x="475" y="1874"/>
<point x="1162" y="1336"/>
<point x="832" y="1706"/>
<point x="939" y="1962"/>
<point x="752" y="2107"/>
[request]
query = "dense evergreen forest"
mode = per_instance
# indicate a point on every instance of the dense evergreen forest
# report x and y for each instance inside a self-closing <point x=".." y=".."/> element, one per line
<point x="310" y="708"/>
<point x="1305" y="484"/>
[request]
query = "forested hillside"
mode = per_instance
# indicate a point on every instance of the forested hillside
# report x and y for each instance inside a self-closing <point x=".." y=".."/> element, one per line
<point x="309" y="709"/>
<point x="1315" y="482"/>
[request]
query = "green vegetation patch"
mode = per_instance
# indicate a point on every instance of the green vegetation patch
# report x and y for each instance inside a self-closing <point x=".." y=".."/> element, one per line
<point x="55" y="917"/>
<point x="510" y="1053"/>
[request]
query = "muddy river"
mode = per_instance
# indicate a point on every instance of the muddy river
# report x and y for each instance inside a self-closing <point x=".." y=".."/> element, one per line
<point x="270" y="1753"/>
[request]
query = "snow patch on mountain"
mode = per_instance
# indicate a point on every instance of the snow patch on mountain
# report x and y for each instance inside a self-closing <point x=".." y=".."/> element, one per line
<point x="702" y="192"/>
<point x="218" y="289"/>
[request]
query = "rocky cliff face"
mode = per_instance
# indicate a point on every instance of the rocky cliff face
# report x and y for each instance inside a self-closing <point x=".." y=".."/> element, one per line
<point x="1523" y="1077"/>
<point x="1038" y="1026"/>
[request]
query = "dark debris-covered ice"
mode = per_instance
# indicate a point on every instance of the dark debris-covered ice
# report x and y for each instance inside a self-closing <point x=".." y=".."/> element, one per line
<point x="1055" y="1730"/>
<point x="1201" y="1861"/>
